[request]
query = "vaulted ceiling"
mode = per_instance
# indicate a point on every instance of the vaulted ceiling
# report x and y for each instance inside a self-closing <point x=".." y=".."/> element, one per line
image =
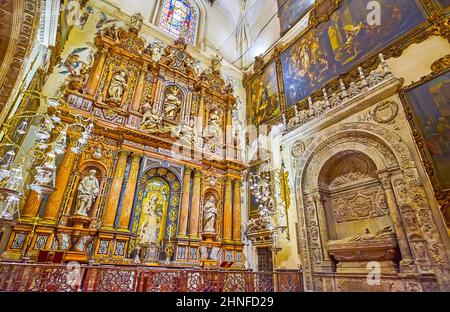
<point x="252" y="28"/>
<point x="238" y="29"/>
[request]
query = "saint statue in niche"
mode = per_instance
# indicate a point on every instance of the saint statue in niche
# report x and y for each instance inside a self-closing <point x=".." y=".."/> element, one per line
<point x="149" y="231"/>
<point x="151" y="120"/>
<point x="119" y="84"/>
<point x="172" y="103"/>
<point x="185" y="132"/>
<point x="214" y="117"/>
<point x="88" y="190"/>
<point x="214" y="130"/>
<point x="209" y="215"/>
<point x="216" y="63"/>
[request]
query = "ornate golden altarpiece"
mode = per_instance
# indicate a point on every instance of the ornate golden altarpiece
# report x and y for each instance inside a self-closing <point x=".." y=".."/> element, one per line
<point x="157" y="119"/>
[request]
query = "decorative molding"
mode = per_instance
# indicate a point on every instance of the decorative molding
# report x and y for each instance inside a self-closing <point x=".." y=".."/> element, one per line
<point x="437" y="24"/>
<point x="18" y="50"/>
<point x="438" y="68"/>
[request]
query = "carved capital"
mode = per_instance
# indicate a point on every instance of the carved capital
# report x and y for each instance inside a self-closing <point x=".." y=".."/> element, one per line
<point x="198" y="174"/>
<point x="385" y="179"/>
<point x="188" y="171"/>
<point x="136" y="157"/>
<point x="123" y="154"/>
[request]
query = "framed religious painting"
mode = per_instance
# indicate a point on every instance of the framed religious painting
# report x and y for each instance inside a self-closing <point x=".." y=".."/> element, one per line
<point x="343" y="41"/>
<point x="444" y="3"/>
<point x="290" y="12"/>
<point x="428" y="105"/>
<point x="264" y="97"/>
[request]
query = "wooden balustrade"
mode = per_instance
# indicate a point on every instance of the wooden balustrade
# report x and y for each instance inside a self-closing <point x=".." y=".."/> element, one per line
<point x="17" y="277"/>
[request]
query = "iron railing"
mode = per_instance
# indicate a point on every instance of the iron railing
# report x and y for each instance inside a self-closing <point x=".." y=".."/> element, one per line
<point x="18" y="277"/>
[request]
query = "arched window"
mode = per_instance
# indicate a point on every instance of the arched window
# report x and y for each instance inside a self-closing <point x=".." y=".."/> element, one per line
<point x="179" y="17"/>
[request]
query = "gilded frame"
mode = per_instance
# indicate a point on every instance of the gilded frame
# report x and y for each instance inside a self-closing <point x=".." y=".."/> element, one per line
<point x="260" y="72"/>
<point x="438" y="68"/>
<point x="438" y="23"/>
<point x="297" y="20"/>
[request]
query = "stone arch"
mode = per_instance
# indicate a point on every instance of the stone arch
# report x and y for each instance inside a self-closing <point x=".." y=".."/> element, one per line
<point x="351" y="195"/>
<point x="102" y="176"/>
<point x="155" y="165"/>
<point x="383" y="147"/>
<point x="356" y="136"/>
<point x="96" y="164"/>
<point x="169" y="176"/>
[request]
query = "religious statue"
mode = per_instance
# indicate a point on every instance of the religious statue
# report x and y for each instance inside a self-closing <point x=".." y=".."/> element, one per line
<point x="197" y="67"/>
<point x="214" y="117"/>
<point x="157" y="51"/>
<point x="119" y="84"/>
<point x="216" y="63"/>
<point x="172" y="103"/>
<point x="237" y="127"/>
<point x="209" y="215"/>
<point x="88" y="190"/>
<point x="137" y="20"/>
<point x="152" y="120"/>
<point x="148" y="230"/>
<point x="367" y="236"/>
<point x="214" y="129"/>
<point x="112" y="32"/>
<point x="185" y="132"/>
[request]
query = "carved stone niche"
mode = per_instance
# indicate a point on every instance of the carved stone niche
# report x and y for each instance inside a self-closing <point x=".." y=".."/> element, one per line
<point x="356" y="214"/>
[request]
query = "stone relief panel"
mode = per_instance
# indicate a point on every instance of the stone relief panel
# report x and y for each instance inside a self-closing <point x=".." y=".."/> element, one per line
<point x="362" y="205"/>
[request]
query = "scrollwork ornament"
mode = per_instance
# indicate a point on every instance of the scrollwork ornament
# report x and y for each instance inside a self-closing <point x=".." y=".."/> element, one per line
<point x="385" y="112"/>
<point x="322" y="11"/>
<point x="298" y="148"/>
<point x="441" y="24"/>
<point x="441" y="65"/>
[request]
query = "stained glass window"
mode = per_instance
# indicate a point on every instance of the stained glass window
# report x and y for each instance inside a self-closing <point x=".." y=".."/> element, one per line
<point x="179" y="17"/>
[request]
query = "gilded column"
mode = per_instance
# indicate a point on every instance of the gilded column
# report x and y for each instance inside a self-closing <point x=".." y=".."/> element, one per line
<point x="130" y="190"/>
<point x="195" y="207"/>
<point x="201" y="111"/>
<point x="182" y="232"/>
<point x="237" y="212"/>
<point x="94" y="78"/>
<point x="62" y="180"/>
<point x="114" y="193"/>
<point x="227" y="211"/>
<point x="139" y="90"/>
<point x="31" y="208"/>
<point x="229" y="127"/>
<point x="396" y="219"/>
